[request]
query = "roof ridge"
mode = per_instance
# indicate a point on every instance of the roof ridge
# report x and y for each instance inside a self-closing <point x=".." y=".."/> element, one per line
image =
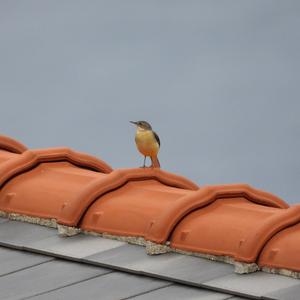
<point x="163" y="211"/>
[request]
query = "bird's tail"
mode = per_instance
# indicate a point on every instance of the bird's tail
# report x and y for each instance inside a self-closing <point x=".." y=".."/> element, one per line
<point x="155" y="162"/>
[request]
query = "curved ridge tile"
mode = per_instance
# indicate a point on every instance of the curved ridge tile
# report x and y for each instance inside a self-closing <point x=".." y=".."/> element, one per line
<point x="282" y="251"/>
<point x="47" y="190"/>
<point x="31" y="158"/>
<point x="250" y="193"/>
<point x="11" y="145"/>
<point x="232" y="227"/>
<point x="81" y="159"/>
<point x="117" y="179"/>
<point x="44" y="183"/>
<point x="165" y="177"/>
<point x="160" y="232"/>
<point x="128" y="201"/>
<point x="57" y="189"/>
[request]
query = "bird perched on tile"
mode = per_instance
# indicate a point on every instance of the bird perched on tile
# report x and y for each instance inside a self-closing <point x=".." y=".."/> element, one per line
<point x="147" y="142"/>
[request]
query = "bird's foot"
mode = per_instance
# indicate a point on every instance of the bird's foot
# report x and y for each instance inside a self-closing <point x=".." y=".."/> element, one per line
<point x="154" y="167"/>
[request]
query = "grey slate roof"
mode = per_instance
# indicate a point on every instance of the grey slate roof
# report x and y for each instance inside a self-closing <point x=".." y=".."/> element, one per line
<point x="36" y="263"/>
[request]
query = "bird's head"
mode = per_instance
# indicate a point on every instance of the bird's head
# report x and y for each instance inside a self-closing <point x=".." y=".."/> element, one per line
<point x="143" y="125"/>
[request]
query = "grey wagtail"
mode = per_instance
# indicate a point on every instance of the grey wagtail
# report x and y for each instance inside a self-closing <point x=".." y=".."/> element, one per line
<point x="147" y="142"/>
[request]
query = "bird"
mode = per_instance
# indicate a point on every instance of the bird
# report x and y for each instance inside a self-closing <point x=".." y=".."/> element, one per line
<point x="147" y="142"/>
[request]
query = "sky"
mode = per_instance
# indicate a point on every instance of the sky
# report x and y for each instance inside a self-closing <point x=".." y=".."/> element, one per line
<point x="218" y="81"/>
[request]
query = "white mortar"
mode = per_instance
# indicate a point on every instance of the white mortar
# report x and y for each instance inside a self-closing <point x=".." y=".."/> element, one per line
<point x="284" y="272"/>
<point x="62" y="229"/>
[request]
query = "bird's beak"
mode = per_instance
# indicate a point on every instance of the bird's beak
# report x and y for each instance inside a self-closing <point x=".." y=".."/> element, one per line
<point x="135" y="123"/>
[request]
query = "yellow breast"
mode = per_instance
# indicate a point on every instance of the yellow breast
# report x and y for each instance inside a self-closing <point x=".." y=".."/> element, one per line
<point x="146" y="142"/>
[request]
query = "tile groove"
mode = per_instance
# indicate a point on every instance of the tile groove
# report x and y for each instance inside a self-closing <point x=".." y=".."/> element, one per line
<point x="28" y="267"/>
<point x="67" y="285"/>
<point x="147" y="292"/>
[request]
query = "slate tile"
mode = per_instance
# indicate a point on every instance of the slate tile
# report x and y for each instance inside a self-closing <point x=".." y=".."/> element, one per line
<point x="168" y="266"/>
<point x="112" y="286"/>
<point x="256" y="284"/>
<point x="290" y="293"/>
<point x="20" y="234"/>
<point x="44" y="277"/>
<point x="78" y="246"/>
<point x="3" y="220"/>
<point x="13" y="260"/>
<point x="179" y="292"/>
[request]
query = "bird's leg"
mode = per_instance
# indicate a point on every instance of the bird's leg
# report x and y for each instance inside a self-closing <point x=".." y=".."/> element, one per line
<point x="144" y="165"/>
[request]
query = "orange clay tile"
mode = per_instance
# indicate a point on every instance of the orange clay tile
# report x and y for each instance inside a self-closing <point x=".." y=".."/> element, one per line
<point x="152" y="211"/>
<point x="30" y="158"/>
<point x="7" y="155"/>
<point x="41" y="183"/>
<point x="232" y="225"/>
<point x="282" y="251"/>
<point x="161" y="230"/>
<point x="50" y="187"/>
<point x="11" y="145"/>
<point x="131" y="209"/>
<point x="9" y="148"/>
<point x="115" y="180"/>
<point x="135" y="187"/>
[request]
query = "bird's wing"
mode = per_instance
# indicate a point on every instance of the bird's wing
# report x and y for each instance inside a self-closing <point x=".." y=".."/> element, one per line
<point x="156" y="137"/>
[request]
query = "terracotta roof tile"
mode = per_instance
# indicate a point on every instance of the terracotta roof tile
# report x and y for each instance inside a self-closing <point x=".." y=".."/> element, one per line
<point x="31" y="158"/>
<point x="61" y="184"/>
<point x="45" y="183"/>
<point x="9" y="148"/>
<point x="11" y="145"/>
<point x="6" y="155"/>
<point x="282" y="251"/>
<point x="233" y="227"/>
<point x="204" y="196"/>
<point x="136" y="199"/>
<point x="116" y="180"/>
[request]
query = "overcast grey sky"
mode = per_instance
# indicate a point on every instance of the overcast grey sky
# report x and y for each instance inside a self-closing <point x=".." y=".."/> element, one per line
<point x="218" y="81"/>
